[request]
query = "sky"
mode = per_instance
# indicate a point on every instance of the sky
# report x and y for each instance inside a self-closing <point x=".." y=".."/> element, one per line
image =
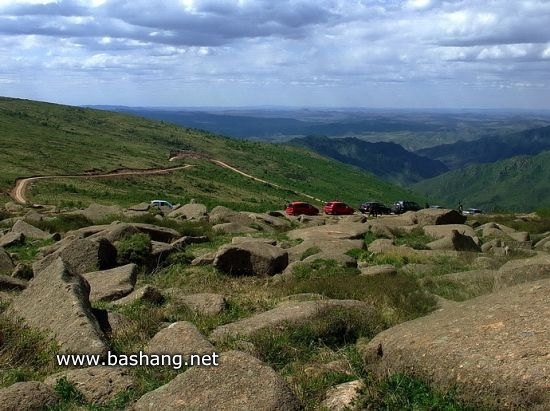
<point x="299" y="53"/>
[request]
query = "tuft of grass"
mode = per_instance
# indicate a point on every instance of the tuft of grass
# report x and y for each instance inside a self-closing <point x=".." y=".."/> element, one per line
<point x="25" y="353"/>
<point x="405" y="392"/>
<point x="135" y="248"/>
<point x="309" y="252"/>
<point x="415" y="238"/>
<point x="29" y="249"/>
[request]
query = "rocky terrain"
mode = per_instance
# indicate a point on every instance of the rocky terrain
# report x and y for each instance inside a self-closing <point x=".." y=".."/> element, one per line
<point x="463" y="306"/>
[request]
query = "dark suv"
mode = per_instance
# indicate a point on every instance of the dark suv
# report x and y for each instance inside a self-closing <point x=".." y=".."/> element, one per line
<point x="399" y="207"/>
<point x="374" y="208"/>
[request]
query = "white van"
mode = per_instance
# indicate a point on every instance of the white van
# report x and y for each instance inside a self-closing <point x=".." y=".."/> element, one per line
<point x="161" y="204"/>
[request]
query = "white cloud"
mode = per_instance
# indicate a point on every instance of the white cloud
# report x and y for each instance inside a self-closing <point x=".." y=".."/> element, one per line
<point x="302" y="47"/>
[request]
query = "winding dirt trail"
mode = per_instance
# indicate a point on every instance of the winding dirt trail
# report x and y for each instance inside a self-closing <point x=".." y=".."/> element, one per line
<point x="18" y="191"/>
<point x="20" y="188"/>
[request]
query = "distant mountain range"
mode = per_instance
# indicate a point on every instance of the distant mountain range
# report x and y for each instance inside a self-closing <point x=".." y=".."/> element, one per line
<point x="389" y="161"/>
<point x="487" y="159"/>
<point x="490" y="149"/>
<point x="516" y="184"/>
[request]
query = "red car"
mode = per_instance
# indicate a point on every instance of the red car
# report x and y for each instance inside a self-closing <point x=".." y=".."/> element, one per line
<point x="337" y="208"/>
<point x="299" y="207"/>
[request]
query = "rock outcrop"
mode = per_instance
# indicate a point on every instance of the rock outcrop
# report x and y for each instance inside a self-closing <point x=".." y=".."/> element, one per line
<point x="251" y="258"/>
<point x="239" y="382"/>
<point x="493" y="349"/>
<point x="57" y="302"/>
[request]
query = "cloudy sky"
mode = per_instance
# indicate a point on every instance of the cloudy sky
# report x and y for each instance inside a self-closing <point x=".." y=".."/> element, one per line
<point x="368" y="53"/>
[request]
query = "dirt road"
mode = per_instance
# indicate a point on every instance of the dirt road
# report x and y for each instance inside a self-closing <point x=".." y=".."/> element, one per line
<point x="18" y="191"/>
<point x="20" y="188"/>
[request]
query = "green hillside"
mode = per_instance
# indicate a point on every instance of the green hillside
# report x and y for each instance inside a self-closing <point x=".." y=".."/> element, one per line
<point x="48" y="139"/>
<point x="517" y="184"/>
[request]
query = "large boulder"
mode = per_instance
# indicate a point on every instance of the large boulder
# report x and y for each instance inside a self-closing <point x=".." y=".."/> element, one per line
<point x="147" y="293"/>
<point x="28" y="396"/>
<point x="82" y="255"/>
<point x="239" y="382"/>
<point x="523" y="270"/>
<point x="6" y="263"/>
<point x="442" y="231"/>
<point x="287" y="312"/>
<point x="200" y="303"/>
<point x="439" y="216"/>
<point x="12" y="238"/>
<point x="109" y="285"/>
<point x="344" y="230"/>
<point x="29" y="231"/>
<point x="456" y="242"/>
<point x="233" y="228"/>
<point x="57" y="303"/>
<point x="493" y="349"/>
<point x="8" y="283"/>
<point x="98" y="212"/>
<point x="181" y="338"/>
<point x="192" y="211"/>
<point x="251" y="258"/>
<point x="98" y="384"/>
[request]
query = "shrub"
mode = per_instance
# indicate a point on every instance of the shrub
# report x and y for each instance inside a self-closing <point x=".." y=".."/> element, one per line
<point x="135" y="248"/>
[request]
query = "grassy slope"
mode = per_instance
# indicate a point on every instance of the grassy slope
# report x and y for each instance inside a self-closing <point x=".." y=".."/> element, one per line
<point x="518" y="184"/>
<point x="48" y="139"/>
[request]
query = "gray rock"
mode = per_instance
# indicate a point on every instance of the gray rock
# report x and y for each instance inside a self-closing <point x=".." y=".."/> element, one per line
<point x="326" y="248"/>
<point x="233" y="228"/>
<point x="341" y="397"/>
<point x="240" y="382"/>
<point x="442" y="231"/>
<point x="385" y="269"/>
<point x="98" y="385"/>
<point x="57" y="302"/>
<point x="82" y="256"/>
<point x="493" y="349"/>
<point x="28" y="396"/>
<point x="456" y="241"/>
<point x="186" y="240"/>
<point x="202" y="303"/>
<point x="157" y="233"/>
<point x="240" y="240"/>
<point x="288" y="312"/>
<point x="6" y="263"/>
<point x="344" y="230"/>
<point x="98" y="212"/>
<point x="8" y="283"/>
<point x="140" y="207"/>
<point x="146" y="293"/>
<point x="523" y="270"/>
<point x="181" y="338"/>
<point x="115" y="232"/>
<point x="113" y="284"/>
<point x="12" y="238"/>
<point x="251" y="258"/>
<point x="29" y="231"/>
<point x="206" y="259"/>
<point x="191" y="212"/>
<point x="438" y="216"/>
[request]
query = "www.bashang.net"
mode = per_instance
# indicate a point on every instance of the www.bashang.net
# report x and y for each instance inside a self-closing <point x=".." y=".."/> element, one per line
<point x="176" y="361"/>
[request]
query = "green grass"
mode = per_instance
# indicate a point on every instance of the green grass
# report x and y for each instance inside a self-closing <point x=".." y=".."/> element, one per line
<point x="405" y="392"/>
<point x="49" y="139"/>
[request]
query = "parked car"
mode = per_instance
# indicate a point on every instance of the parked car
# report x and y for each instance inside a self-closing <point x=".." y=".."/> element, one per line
<point x="399" y="207"/>
<point x="374" y="207"/>
<point x="300" y="207"/>
<point x="338" y="208"/>
<point x="472" y="211"/>
<point x="161" y="204"/>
